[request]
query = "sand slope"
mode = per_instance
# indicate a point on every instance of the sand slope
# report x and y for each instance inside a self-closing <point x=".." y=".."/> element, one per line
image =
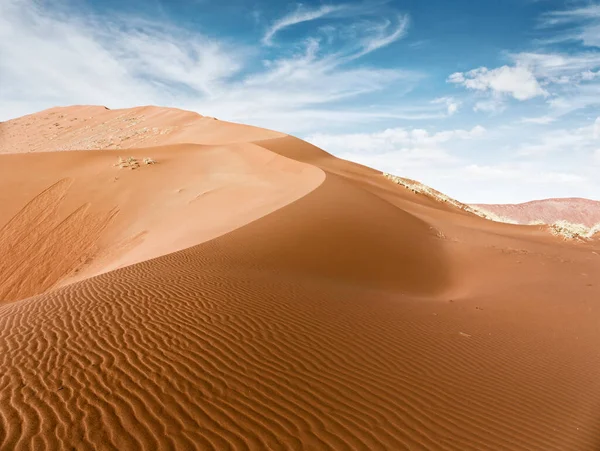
<point x="354" y="315"/>
<point x="70" y="215"/>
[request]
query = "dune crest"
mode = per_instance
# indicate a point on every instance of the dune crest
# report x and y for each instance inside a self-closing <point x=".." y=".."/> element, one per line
<point x="255" y="292"/>
<point x="97" y="127"/>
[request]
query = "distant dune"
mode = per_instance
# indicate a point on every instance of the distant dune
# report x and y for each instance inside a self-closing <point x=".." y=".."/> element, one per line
<point x="251" y="291"/>
<point x="573" y="209"/>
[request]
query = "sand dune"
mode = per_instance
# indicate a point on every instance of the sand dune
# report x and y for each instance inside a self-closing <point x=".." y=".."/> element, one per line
<point x="79" y="215"/>
<point x="574" y="210"/>
<point x="283" y="299"/>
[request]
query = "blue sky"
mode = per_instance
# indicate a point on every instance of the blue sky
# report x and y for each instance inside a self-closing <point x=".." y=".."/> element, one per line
<point x="488" y="101"/>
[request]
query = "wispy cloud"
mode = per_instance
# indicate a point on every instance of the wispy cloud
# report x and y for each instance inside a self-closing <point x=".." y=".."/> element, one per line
<point x="493" y="105"/>
<point x="451" y="103"/>
<point x="361" y="27"/>
<point x="555" y="67"/>
<point x="393" y="148"/>
<point x="47" y="57"/>
<point x="582" y="24"/>
<point x="50" y="57"/>
<point x="582" y="140"/>
<point x="540" y="120"/>
<point x="553" y="18"/>
<point x="518" y="171"/>
<point x="392" y="139"/>
<point x="300" y="15"/>
<point x="385" y="33"/>
<point x="572" y="79"/>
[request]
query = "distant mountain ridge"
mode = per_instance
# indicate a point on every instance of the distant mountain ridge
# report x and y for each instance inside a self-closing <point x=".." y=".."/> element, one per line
<point x="573" y="209"/>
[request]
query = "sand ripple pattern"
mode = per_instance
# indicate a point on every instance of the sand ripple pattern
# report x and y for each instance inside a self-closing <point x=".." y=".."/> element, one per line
<point x="246" y="342"/>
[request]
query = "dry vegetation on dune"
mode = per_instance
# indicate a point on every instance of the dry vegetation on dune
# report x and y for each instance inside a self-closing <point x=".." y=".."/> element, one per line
<point x="562" y="228"/>
<point x="132" y="162"/>
<point x="419" y="188"/>
<point x="570" y="231"/>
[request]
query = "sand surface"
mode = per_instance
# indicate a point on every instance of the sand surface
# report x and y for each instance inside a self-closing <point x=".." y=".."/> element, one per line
<point x="250" y="291"/>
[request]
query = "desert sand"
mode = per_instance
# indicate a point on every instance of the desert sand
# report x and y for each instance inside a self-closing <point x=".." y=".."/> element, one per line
<point x="251" y="291"/>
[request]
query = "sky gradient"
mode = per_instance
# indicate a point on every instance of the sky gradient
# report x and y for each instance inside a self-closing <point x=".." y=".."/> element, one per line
<point x="489" y="101"/>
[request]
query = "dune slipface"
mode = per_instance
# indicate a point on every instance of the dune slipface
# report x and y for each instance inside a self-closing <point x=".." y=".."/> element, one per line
<point x="251" y="291"/>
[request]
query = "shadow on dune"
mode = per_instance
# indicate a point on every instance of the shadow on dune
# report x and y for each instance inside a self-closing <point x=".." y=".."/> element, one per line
<point x="342" y="234"/>
<point x="344" y="231"/>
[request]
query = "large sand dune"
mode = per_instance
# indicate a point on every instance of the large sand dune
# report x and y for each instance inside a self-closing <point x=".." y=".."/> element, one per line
<point x="250" y="291"/>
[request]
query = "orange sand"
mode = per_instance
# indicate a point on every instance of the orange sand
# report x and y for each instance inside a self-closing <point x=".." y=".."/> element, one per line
<point x="250" y="291"/>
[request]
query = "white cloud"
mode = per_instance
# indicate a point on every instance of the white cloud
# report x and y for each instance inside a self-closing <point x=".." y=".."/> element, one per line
<point x="385" y="33"/>
<point x="51" y="56"/>
<point x="581" y="140"/>
<point x="395" y="148"/>
<point x="508" y="182"/>
<point x="558" y="67"/>
<point x="582" y="24"/>
<point x="493" y="105"/>
<point x="517" y="81"/>
<point x="365" y="36"/>
<point x="571" y="76"/>
<point x="451" y="103"/>
<point x="512" y="182"/>
<point x="393" y="138"/>
<point x="590" y="75"/>
<point x="512" y="171"/>
<point x="457" y="77"/>
<point x="574" y="98"/>
<point x="553" y="18"/>
<point x="541" y="120"/>
<point x="515" y="182"/>
<point x="568" y="81"/>
<point x="300" y="15"/>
